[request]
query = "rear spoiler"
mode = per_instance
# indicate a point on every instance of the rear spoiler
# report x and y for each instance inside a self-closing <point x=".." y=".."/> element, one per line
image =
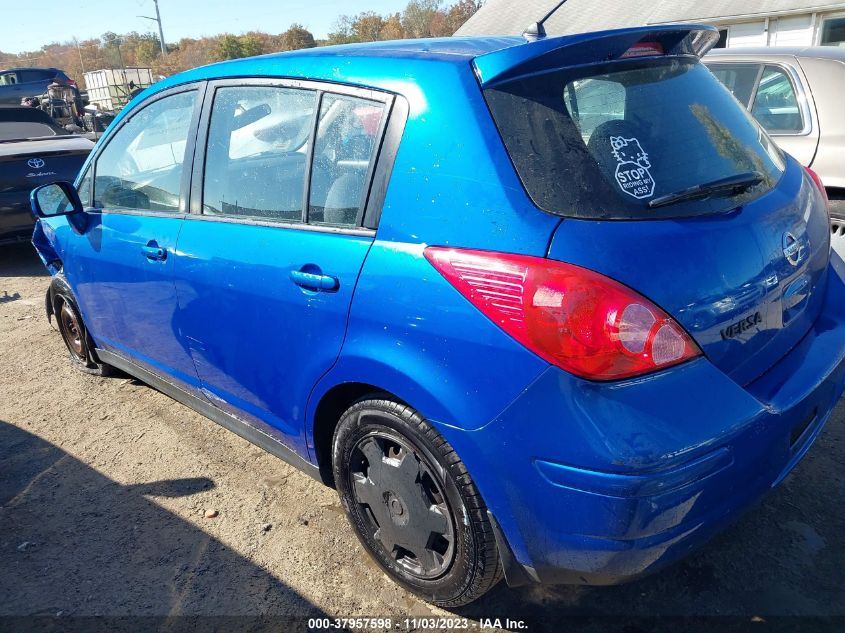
<point x="590" y="48"/>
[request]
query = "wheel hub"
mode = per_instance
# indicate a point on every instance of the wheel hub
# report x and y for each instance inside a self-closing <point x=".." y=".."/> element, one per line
<point x="72" y="331"/>
<point x="400" y="499"/>
<point x="396" y="508"/>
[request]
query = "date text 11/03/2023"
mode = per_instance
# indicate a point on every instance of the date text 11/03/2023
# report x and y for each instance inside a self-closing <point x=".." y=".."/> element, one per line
<point x="416" y="624"/>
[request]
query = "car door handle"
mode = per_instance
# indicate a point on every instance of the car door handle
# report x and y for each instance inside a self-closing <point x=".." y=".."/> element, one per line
<point x="155" y="253"/>
<point x="314" y="281"/>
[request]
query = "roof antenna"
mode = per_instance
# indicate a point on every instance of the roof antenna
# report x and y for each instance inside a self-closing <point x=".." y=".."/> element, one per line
<point x="536" y="31"/>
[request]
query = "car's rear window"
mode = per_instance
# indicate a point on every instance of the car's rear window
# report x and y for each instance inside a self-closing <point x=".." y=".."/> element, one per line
<point x="603" y="141"/>
<point x="20" y="130"/>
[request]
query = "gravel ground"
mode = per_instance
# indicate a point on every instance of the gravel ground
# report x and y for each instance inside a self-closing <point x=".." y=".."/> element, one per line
<point x="105" y="485"/>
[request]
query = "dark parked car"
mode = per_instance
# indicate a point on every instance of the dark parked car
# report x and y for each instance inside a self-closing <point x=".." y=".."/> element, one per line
<point x="33" y="150"/>
<point x="556" y="309"/>
<point x="17" y="83"/>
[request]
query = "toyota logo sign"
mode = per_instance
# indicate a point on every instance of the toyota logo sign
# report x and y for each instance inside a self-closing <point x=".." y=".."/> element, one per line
<point x="35" y="163"/>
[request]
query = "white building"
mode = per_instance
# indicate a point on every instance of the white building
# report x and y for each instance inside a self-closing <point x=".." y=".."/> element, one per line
<point x="742" y="23"/>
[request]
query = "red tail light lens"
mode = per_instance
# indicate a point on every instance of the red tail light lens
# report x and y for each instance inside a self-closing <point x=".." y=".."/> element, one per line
<point x="820" y="185"/>
<point x="579" y="320"/>
<point x="644" y="49"/>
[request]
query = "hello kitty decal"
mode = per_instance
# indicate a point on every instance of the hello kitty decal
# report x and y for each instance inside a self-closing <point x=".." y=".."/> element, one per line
<point x="632" y="170"/>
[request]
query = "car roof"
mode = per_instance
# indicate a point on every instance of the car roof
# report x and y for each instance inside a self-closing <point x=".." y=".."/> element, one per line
<point x="453" y="49"/>
<point x="818" y="52"/>
<point x="373" y="64"/>
<point x="448" y="50"/>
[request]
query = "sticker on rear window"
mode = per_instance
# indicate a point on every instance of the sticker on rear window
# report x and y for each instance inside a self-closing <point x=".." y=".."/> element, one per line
<point x="632" y="170"/>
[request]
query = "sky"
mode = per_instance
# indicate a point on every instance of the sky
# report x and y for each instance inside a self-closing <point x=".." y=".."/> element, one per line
<point x="27" y="25"/>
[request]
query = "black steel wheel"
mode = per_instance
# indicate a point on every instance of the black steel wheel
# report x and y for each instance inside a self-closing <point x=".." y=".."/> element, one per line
<point x="412" y="503"/>
<point x="398" y="493"/>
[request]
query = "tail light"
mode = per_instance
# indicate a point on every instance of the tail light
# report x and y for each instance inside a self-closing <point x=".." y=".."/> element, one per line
<point x="579" y="320"/>
<point x="815" y="177"/>
<point x="643" y="49"/>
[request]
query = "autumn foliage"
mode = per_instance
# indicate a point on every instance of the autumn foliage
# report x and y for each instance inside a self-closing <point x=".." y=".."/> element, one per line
<point x="420" y="18"/>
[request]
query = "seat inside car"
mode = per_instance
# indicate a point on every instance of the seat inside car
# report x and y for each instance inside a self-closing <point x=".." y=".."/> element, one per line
<point x="340" y="169"/>
<point x="343" y="199"/>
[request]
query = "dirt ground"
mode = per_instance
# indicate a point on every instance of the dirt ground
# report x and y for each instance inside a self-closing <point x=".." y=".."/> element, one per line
<point x="105" y="483"/>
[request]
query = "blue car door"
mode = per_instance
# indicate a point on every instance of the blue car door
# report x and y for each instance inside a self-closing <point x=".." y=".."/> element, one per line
<point x="121" y="267"/>
<point x="269" y="257"/>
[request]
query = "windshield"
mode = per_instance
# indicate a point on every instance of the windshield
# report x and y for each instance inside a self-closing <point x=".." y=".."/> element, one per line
<point x="20" y="130"/>
<point x="603" y="142"/>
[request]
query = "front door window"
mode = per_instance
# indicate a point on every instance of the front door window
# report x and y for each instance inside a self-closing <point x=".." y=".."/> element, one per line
<point x="141" y="167"/>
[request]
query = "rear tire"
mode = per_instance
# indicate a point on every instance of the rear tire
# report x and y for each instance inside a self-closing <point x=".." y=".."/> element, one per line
<point x="78" y="341"/>
<point x="412" y="503"/>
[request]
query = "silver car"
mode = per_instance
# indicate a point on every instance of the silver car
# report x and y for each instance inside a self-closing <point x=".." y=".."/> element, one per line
<point x="798" y="96"/>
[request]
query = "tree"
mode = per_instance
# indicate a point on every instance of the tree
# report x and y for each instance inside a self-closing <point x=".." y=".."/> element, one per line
<point x="367" y="26"/>
<point x="342" y="33"/>
<point x="421" y="18"/>
<point x="392" y="29"/>
<point x="418" y="15"/>
<point x="252" y="44"/>
<point x="146" y="52"/>
<point x="295" y="38"/>
<point x="229" y="47"/>
<point x="460" y="12"/>
<point x="439" y="25"/>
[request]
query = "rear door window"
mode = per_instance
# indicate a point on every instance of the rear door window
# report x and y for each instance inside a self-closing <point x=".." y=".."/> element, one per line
<point x="603" y="141"/>
<point x="258" y="142"/>
<point x="776" y="104"/>
<point x="343" y="152"/>
<point x="28" y="76"/>
<point x="740" y="79"/>
<point x="259" y="163"/>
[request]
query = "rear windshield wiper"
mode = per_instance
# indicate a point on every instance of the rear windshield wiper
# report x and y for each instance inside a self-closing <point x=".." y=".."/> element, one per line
<point x="722" y="187"/>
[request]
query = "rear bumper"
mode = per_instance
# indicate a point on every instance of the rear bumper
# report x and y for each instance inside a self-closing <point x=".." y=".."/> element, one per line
<point x="600" y="483"/>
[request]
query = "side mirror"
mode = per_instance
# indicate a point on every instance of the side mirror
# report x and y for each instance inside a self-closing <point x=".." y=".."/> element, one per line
<point x="57" y="198"/>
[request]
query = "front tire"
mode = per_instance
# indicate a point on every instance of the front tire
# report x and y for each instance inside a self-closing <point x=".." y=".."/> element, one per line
<point x="78" y="341"/>
<point x="412" y="503"/>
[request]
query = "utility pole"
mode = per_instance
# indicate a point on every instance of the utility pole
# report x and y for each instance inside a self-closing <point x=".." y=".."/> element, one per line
<point x="79" y="50"/>
<point x="160" y="30"/>
<point x="157" y="19"/>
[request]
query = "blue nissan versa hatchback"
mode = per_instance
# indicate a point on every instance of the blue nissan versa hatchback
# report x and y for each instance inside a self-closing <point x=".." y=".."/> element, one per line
<point x="556" y="310"/>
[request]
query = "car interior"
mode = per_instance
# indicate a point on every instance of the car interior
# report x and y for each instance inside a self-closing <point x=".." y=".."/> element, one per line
<point x="269" y="174"/>
<point x="776" y="105"/>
